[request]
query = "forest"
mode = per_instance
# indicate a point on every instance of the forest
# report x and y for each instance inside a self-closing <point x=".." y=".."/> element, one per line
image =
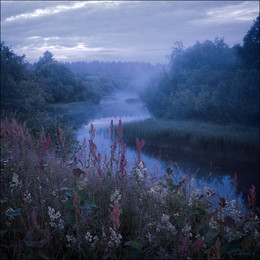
<point x="29" y="90"/>
<point x="211" y="82"/>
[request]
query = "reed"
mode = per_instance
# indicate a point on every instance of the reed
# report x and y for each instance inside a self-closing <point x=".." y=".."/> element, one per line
<point x="227" y="141"/>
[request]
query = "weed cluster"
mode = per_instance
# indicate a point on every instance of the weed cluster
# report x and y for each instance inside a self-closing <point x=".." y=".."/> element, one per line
<point x="231" y="141"/>
<point x="93" y="206"/>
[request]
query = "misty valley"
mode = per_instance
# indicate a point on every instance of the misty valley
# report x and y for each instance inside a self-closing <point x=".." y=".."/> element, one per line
<point x="121" y="150"/>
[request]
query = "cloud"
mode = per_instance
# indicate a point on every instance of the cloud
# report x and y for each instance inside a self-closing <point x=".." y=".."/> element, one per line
<point x="120" y="30"/>
<point x="53" y="10"/>
<point x="46" y="11"/>
<point x="234" y="12"/>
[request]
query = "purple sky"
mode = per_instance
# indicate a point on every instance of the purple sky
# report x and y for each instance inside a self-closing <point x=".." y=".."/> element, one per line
<point x="120" y="30"/>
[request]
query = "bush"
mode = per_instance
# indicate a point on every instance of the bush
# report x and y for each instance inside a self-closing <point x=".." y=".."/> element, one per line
<point x="88" y="205"/>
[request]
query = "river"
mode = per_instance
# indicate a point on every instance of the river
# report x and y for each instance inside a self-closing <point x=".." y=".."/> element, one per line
<point x="128" y="107"/>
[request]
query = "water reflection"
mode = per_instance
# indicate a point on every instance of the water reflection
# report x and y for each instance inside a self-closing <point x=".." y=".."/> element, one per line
<point x="128" y="107"/>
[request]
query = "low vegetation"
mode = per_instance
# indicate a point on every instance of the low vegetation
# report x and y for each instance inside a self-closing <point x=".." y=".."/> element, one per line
<point x="226" y="141"/>
<point x="58" y="205"/>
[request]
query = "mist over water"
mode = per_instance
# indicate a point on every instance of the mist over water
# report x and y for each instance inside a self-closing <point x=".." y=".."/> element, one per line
<point x="128" y="107"/>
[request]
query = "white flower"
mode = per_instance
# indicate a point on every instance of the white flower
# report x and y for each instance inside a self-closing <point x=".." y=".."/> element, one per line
<point x="140" y="170"/>
<point x="71" y="240"/>
<point x="27" y="197"/>
<point x="115" y="197"/>
<point x="149" y="236"/>
<point x="165" y="218"/>
<point x="15" y="183"/>
<point x="115" y="239"/>
<point x="166" y="225"/>
<point x="56" y="221"/>
<point x="91" y="240"/>
<point x="186" y="231"/>
<point x="54" y="193"/>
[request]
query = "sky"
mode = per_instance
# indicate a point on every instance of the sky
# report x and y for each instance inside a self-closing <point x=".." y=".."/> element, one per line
<point x="120" y="30"/>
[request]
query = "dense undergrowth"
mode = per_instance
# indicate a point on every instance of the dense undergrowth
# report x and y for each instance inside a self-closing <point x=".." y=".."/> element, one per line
<point x="231" y="141"/>
<point x="56" y="205"/>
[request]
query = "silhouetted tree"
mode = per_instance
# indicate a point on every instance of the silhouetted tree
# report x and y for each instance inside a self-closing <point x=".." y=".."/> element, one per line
<point x="249" y="52"/>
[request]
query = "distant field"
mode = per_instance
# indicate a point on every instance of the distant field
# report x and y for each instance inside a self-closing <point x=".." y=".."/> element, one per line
<point x="229" y="141"/>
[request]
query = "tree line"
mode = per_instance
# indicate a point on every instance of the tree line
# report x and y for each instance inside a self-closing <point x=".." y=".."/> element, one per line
<point x="210" y="82"/>
<point x="27" y="89"/>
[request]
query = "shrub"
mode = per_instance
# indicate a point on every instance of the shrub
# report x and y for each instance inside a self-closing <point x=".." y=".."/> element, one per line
<point x="88" y="205"/>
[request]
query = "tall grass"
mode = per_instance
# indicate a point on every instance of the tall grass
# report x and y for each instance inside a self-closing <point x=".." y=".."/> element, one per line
<point x="93" y="206"/>
<point x="226" y="141"/>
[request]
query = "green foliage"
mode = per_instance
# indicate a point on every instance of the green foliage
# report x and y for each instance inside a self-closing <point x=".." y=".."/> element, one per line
<point x="28" y="93"/>
<point x="249" y="52"/>
<point x="208" y="82"/>
<point x="59" y="82"/>
<point x="20" y="90"/>
<point x="85" y="208"/>
<point x="201" y="138"/>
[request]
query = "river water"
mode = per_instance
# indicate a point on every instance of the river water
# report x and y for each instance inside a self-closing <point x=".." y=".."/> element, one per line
<point x="128" y="107"/>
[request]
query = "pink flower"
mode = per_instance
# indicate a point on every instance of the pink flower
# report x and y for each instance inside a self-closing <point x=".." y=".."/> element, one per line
<point x="197" y="245"/>
<point x="123" y="161"/>
<point x="114" y="216"/>
<point x="120" y="130"/>
<point x="111" y="128"/>
<point x="139" y="147"/>
<point x="184" y="248"/>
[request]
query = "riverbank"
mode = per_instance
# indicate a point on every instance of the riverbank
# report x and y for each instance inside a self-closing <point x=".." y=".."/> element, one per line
<point x="92" y="208"/>
<point x="236" y="142"/>
<point x="65" y="107"/>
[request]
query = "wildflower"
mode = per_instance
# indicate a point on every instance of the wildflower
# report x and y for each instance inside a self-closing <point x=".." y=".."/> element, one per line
<point x="168" y="225"/>
<point x="103" y="232"/>
<point x="114" y="216"/>
<point x="256" y="234"/>
<point x="197" y="245"/>
<point x="158" y="192"/>
<point x="184" y="248"/>
<point x="227" y="230"/>
<point x="120" y="130"/>
<point x="71" y="239"/>
<point x="213" y="224"/>
<point x="139" y="147"/>
<point x="111" y="128"/>
<point x="115" y="239"/>
<point x="27" y="197"/>
<point x="215" y="252"/>
<point x="56" y="220"/>
<point x="140" y="170"/>
<point x="149" y="236"/>
<point x="91" y="240"/>
<point x="186" y="231"/>
<point x="115" y="197"/>
<point x="54" y="193"/>
<point x="15" y="183"/>
<point x="123" y="160"/>
<point x="199" y="236"/>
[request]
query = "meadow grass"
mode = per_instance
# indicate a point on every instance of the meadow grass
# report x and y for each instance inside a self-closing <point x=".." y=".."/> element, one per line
<point x="86" y="205"/>
<point x="235" y="141"/>
<point x="64" y="107"/>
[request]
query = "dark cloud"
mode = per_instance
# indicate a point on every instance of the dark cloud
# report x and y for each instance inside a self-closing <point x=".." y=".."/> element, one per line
<point x="120" y="30"/>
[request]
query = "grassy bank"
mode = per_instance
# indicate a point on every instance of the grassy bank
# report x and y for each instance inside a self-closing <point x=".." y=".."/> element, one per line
<point x="227" y="141"/>
<point x="64" y="107"/>
<point x="90" y="206"/>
